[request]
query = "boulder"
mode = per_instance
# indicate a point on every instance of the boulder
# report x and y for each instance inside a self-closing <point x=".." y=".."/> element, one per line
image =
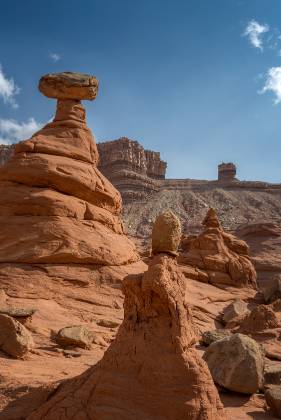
<point x="236" y="363"/>
<point x="261" y="318"/>
<point x="23" y="315"/>
<point x="15" y="339"/>
<point x="273" y="292"/>
<point x="273" y="400"/>
<point x="236" y="308"/>
<point x="69" y="85"/>
<point x="150" y="371"/>
<point x="224" y="258"/>
<point x="209" y="337"/>
<point x="166" y="234"/>
<point x="272" y="374"/>
<point x="76" y="335"/>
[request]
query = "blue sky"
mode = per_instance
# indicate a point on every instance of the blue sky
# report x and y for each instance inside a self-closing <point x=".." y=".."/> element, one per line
<point x="183" y="77"/>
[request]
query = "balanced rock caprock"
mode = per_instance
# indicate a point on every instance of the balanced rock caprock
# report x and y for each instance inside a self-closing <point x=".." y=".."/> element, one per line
<point x="217" y="257"/>
<point x="151" y="370"/>
<point x="55" y="205"/>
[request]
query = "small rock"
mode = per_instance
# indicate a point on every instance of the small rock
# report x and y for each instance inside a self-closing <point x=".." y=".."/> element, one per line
<point x="236" y="363"/>
<point x="209" y="337"/>
<point x="273" y="399"/>
<point x="15" y="339"/>
<point x="273" y="292"/>
<point x="107" y="323"/>
<point x="76" y="335"/>
<point x="261" y="318"/>
<point x="20" y="314"/>
<point x="71" y="353"/>
<point x="272" y="374"/>
<point x="236" y="308"/>
<point x="99" y="340"/>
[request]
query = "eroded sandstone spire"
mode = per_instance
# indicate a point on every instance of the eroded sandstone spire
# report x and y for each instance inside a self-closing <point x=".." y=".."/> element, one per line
<point x="217" y="257"/>
<point x="151" y="370"/>
<point x="55" y="205"/>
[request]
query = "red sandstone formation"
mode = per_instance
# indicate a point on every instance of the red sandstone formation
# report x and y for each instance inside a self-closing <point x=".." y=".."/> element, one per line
<point x="218" y="257"/>
<point x="226" y="172"/>
<point x="133" y="170"/>
<point x="150" y="371"/>
<point x="53" y="194"/>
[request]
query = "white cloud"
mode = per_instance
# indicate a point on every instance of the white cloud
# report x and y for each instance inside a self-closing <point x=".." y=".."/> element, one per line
<point x="273" y="83"/>
<point x="254" y="32"/>
<point x="55" y="57"/>
<point x="8" y="89"/>
<point x="12" y="131"/>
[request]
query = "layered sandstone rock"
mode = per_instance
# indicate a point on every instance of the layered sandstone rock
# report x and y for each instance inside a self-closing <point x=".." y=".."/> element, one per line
<point x="217" y="257"/>
<point x="55" y="205"/>
<point x="150" y="371"/>
<point x="133" y="170"/>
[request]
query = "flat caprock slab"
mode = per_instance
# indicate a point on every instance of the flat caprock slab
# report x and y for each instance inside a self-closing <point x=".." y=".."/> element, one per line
<point x="69" y="85"/>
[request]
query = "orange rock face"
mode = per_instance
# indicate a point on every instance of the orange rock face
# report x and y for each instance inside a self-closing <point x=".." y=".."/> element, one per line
<point x="55" y="205"/>
<point x="150" y="371"/>
<point x="218" y="257"/>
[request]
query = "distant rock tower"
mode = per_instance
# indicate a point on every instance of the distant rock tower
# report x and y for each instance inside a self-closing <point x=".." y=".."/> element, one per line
<point x="226" y="171"/>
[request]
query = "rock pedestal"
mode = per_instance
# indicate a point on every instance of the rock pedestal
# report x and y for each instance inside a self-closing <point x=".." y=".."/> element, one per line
<point x="55" y="205"/>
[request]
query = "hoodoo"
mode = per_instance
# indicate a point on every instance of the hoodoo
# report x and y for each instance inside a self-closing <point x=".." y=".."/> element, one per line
<point x="55" y="205"/>
<point x="151" y="370"/>
<point x="218" y="257"/>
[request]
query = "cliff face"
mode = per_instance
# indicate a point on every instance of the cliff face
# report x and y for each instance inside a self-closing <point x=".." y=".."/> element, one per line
<point x="133" y="170"/>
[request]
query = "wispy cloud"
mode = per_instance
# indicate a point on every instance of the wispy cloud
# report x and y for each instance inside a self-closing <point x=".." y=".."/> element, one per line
<point x="8" y="89"/>
<point x="12" y="131"/>
<point x="273" y="83"/>
<point x="254" y="31"/>
<point x="55" y="57"/>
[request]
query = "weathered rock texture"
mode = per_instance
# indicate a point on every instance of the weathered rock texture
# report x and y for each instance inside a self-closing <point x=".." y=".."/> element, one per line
<point x="166" y="234"/>
<point x="55" y="205"/>
<point x="133" y="170"/>
<point x="226" y="172"/>
<point x="217" y="257"/>
<point x="15" y="339"/>
<point x="261" y="318"/>
<point x="236" y="363"/>
<point x="150" y="371"/>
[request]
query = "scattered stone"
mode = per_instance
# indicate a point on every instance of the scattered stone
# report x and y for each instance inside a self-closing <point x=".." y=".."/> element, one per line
<point x="209" y="337"/>
<point x="273" y="292"/>
<point x="272" y="374"/>
<point x="20" y="314"/>
<point x="236" y="363"/>
<point x="15" y="339"/>
<point x="107" y="323"/>
<point x="69" y="85"/>
<point x="236" y="308"/>
<point x="166" y="234"/>
<point x="71" y="353"/>
<point x="261" y="318"/>
<point x="76" y="335"/>
<point x="99" y="340"/>
<point x="273" y="399"/>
